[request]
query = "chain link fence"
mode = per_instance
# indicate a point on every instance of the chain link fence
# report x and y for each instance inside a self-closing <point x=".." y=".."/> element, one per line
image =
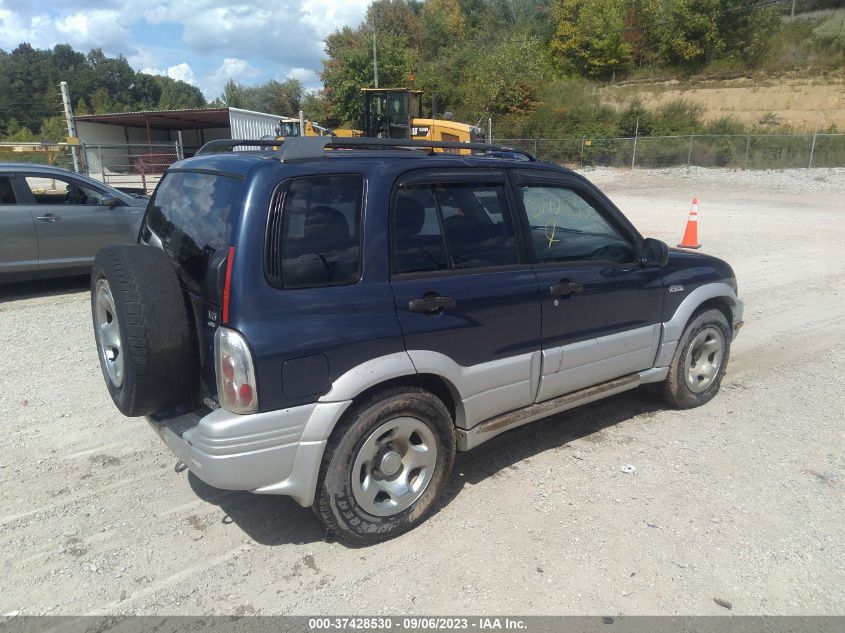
<point x="131" y="167"/>
<point x="58" y="154"/>
<point x="736" y="151"/>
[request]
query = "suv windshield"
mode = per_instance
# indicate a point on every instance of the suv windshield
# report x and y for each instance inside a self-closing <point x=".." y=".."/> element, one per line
<point x="191" y="215"/>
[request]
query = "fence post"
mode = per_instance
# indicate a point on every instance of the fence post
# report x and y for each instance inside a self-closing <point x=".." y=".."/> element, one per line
<point x="813" y="149"/>
<point x="747" y="147"/>
<point x="180" y="149"/>
<point x="636" y="135"/>
<point x="689" y="155"/>
<point x="583" y="140"/>
<point x="100" y="159"/>
<point x="535" y="148"/>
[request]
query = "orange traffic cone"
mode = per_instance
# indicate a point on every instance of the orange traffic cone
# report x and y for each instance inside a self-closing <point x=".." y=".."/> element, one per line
<point x="691" y="233"/>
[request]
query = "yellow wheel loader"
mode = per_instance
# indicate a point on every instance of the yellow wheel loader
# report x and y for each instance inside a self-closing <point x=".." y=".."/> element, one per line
<point x="397" y="113"/>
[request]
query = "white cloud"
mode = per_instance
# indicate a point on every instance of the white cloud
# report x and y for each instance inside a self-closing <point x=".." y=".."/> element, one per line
<point x="207" y="41"/>
<point x="181" y="72"/>
<point x="324" y="16"/>
<point x="307" y="76"/>
<point x="83" y="30"/>
<point x="93" y="29"/>
<point x="283" y="32"/>
<point x="231" y="68"/>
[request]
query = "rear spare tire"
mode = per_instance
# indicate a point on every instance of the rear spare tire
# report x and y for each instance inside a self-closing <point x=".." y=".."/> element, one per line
<point x="142" y="330"/>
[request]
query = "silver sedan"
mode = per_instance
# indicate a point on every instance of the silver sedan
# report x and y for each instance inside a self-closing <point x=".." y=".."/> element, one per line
<point x="53" y="221"/>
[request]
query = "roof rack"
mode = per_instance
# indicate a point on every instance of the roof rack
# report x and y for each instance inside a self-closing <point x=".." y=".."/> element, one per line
<point x="229" y="145"/>
<point x="313" y="147"/>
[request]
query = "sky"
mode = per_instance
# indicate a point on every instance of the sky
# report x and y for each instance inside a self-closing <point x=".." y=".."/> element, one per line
<point x="203" y="42"/>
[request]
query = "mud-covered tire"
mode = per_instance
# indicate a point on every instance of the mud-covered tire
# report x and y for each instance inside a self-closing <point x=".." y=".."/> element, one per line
<point x="136" y="288"/>
<point x="704" y="348"/>
<point x="342" y="512"/>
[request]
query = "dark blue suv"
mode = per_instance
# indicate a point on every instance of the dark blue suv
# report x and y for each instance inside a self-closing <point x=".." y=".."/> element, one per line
<point x="334" y="320"/>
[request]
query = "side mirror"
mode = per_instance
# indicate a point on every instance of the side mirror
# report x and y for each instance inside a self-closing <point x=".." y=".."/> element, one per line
<point x="108" y="200"/>
<point x="654" y="252"/>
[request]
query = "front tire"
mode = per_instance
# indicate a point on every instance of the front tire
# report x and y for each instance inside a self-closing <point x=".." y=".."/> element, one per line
<point x="699" y="364"/>
<point x="385" y="466"/>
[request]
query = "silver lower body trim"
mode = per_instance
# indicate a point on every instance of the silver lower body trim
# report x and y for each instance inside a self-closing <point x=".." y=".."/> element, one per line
<point x="276" y="452"/>
<point x="468" y="439"/>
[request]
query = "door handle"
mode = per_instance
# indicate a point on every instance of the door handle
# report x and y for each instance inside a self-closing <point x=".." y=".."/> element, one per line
<point x="565" y="288"/>
<point x="431" y="303"/>
<point x="49" y="217"/>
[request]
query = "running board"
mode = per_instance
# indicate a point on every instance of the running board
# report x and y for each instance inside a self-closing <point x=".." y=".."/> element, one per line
<point x="494" y="426"/>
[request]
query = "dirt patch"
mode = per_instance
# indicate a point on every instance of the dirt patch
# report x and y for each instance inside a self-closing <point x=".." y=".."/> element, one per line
<point x="798" y="103"/>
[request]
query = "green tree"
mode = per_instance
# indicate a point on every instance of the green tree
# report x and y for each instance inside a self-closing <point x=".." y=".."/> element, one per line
<point x="233" y="95"/>
<point x="277" y="97"/>
<point x="53" y="129"/>
<point x="444" y="23"/>
<point x="396" y="17"/>
<point x="689" y="32"/>
<point x="17" y="132"/>
<point x="502" y="79"/>
<point x="590" y="37"/>
<point x="145" y="92"/>
<point x="81" y="107"/>
<point x="349" y="68"/>
<point x="746" y="33"/>
<point x="178" y="95"/>
<point x="101" y="102"/>
<point x="316" y="109"/>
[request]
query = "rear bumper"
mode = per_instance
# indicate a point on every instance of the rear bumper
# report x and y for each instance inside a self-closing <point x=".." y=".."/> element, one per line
<point x="277" y="452"/>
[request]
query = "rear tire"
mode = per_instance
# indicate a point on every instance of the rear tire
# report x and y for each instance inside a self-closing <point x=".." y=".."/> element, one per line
<point x="699" y="362"/>
<point x="385" y="466"/>
<point x="142" y="330"/>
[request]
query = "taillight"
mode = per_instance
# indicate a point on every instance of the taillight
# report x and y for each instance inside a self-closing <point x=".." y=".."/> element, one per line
<point x="235" y="373"/>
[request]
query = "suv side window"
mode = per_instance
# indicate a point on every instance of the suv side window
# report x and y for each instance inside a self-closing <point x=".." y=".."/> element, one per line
<point x="567" y="227"/>
<point x="417" y="238"/>
<point x="313" y="235"/>
<point x="475" y="219"/>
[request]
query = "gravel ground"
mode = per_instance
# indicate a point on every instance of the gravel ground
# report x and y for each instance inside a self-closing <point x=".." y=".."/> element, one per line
<point x="737" y="503"/>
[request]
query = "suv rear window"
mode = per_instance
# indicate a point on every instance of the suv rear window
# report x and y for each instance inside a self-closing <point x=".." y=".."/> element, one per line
<point x="313" y="233"/>
<point x="191" y="214"/>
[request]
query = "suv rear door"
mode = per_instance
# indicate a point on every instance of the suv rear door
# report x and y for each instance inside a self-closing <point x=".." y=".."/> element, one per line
<point x="466" y="298"/>
<point x="601" y="308"/>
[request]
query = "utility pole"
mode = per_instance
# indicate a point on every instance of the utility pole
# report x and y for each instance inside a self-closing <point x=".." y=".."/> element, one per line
<point x="301" y="123"/>
<point x="71" y="128"/>
<point x="490" y="130"/>
<point x="375" y="56"/>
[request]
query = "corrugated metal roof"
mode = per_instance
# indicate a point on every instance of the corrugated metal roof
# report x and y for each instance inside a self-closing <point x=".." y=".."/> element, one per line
<point x="164" y="119"/>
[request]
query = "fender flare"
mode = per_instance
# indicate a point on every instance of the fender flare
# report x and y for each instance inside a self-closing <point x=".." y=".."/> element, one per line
<point x="673" y="329"/>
